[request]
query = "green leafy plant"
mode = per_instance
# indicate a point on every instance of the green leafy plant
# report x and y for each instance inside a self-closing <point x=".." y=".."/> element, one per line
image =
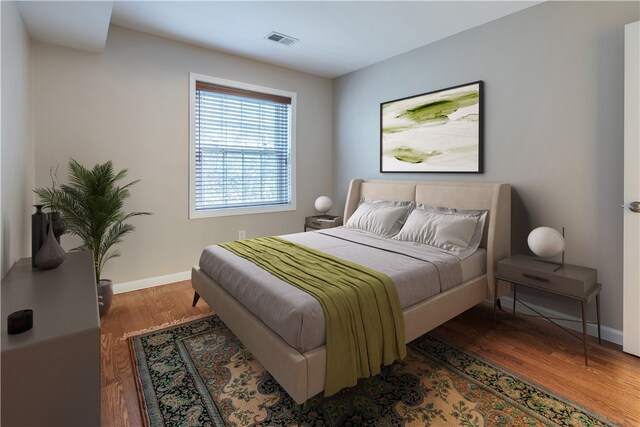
<point x="92" y="205"/>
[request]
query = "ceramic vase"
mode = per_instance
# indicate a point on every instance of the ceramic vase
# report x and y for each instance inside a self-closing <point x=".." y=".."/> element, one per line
<point x="59" y="226"/>
<point x="38" y="232"/>
<point x="51" y="253"/>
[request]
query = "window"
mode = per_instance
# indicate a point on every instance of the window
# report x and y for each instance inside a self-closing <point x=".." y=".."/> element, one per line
<point x="242" y="148"/>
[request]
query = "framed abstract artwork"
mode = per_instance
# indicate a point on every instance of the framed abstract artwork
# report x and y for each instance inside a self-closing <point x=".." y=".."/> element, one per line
<point x="435" y="132"/>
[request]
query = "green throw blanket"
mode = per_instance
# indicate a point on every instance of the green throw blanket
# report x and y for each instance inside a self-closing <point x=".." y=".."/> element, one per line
<point x="365" y="326"/>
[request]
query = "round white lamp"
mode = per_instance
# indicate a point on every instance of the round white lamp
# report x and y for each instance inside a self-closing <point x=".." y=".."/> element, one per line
<point x="547" y="242"/>
<point x="323" y="204"/>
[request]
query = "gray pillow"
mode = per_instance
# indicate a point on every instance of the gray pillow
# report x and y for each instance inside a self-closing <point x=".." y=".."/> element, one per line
<point x="381" y="217"/>
<point x="457" y="232"/>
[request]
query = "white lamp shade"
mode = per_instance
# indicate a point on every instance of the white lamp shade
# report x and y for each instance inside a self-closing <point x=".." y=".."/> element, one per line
<point x="546" y="242"/>
<point x="323" y="204"/>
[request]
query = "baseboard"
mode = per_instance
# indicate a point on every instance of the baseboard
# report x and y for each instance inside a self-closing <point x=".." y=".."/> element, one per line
<point x="135" y="285"/>
<point x="607" y="333"/>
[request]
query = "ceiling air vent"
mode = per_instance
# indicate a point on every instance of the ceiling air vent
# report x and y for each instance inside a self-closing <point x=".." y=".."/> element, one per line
<point x="281" y="38"/>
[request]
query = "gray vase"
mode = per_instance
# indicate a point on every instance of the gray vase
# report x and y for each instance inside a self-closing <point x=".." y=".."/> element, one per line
<point x="38" y="232"/>
<point x="51" y="253"/>
<point x="59" y="226"/>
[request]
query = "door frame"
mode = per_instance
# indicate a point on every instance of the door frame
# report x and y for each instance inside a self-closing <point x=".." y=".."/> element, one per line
<point x="631" y="251"/>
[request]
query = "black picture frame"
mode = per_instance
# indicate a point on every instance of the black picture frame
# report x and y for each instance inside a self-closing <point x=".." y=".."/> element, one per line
<point x="434" y="132"/>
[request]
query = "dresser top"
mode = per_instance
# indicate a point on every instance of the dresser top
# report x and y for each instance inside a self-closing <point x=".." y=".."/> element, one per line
<point x="63" y="300"/>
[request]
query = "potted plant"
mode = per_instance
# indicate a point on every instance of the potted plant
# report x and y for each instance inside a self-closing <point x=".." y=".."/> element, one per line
<point x="92" y="204"/>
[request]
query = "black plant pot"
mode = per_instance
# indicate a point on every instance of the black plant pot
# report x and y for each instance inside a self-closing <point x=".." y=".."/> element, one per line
<point x="105" y="296"/>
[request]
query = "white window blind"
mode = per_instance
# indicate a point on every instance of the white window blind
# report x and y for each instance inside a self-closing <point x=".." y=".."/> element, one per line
<point x="242" y="148"/>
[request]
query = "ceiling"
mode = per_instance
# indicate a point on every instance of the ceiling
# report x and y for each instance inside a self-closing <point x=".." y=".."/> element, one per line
<point x="335" y="37"/>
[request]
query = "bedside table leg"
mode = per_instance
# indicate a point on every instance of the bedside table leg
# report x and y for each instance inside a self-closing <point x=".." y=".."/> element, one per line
<point x="584" y="333"/>
<point x="515" y="288"/>
<point x="598" y="317"/>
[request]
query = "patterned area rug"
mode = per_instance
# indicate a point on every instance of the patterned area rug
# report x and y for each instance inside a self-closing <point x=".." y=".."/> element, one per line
<point x="200" y="374"/>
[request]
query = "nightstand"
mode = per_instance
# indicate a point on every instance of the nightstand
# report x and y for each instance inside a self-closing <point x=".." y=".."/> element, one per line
<point x="321" y="222"/>
<point x="572" y="281"/>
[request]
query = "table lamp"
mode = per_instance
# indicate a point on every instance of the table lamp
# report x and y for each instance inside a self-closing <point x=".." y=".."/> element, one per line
<point x="323" y="204"/>
<point x="547" y="242"/>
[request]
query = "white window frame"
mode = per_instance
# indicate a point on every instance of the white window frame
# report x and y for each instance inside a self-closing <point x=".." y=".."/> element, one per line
<point x="193" y="214"/>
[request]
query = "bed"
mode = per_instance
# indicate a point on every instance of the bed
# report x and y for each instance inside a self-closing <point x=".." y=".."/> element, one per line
<point x="298" y="361"/>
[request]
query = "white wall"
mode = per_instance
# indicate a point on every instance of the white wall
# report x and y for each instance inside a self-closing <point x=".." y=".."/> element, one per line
<point x="17" y="170"/>
<point x="553" y="78"/>
<point x="130" y="105"/>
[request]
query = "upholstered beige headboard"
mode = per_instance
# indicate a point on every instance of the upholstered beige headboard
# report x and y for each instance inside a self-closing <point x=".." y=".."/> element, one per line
<point x="495" y="198"/>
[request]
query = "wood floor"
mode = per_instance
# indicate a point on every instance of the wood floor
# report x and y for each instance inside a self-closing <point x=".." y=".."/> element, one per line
<point x="530" y="347"/>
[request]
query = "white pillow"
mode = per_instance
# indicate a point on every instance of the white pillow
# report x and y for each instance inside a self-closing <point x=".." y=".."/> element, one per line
<point x="457" y="232"/>
<point x="382" y="217"/>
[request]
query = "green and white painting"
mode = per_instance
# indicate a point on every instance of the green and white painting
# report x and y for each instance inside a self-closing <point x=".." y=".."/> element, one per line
<point x="433" y="132"/>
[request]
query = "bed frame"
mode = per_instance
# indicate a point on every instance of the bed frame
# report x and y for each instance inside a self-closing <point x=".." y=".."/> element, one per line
<point x="302" y="375"/>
